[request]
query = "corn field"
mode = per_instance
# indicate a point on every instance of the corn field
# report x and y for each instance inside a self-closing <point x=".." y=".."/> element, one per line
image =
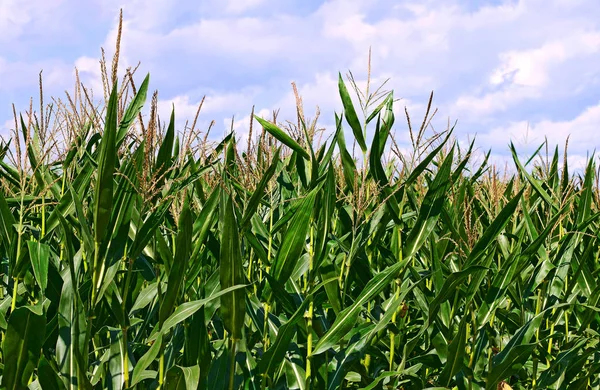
<point x="137" y="255"/>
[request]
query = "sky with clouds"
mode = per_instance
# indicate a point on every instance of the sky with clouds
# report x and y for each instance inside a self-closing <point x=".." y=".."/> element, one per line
<point x="518" y="70"/>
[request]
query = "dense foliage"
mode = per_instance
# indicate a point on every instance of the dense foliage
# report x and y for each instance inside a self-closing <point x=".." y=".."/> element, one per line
<point x="134" y="256"/>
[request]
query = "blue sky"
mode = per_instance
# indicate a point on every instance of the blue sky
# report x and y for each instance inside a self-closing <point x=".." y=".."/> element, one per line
<point x="520" y="70"/>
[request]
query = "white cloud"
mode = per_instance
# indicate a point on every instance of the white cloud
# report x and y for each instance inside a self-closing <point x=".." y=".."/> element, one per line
<point x="473" y="106"/>
<point x="491" y="65"/>
<point x="6" y="129"/>
<point x="24" y="76"/>
<point x="89" y="72"/>
<point x="582" y="131"/>
<point x="239" y="6"/>
<point x="534" y="68"/>
<point x="20" y="17"/>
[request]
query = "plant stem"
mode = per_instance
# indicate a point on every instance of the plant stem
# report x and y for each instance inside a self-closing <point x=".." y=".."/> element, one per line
<point x="392" y="335"/>
<point x="125" y="358"/>
<point x="127" y="284"/>
<point x="309" y="316"/>
<point x="161" y="368"/>
<point x="309" y="344"/>
<point x="95" y="272"/>
<point x="19" y="240"/>
<point x="14" y="296"/>
<point x="232" y="364"/>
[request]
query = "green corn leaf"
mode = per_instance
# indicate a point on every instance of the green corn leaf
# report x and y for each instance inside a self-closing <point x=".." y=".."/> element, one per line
<point x="430" y="210"/>
<point x="183" y="378"/>
<point x="346" y="319"/>
<point x="164" y="157"/>
<point x="197" y="345"/>
<point x="585" y="203"/>
<point x="258" y="193"/>
<point x="47" y="376"/>
<point x="294" y="239"/>
<point x="494" y="229"/>
<point x="116" y="363"/>
<point x="106" y="166"/>
<point x="456" y="355"/>
<point x="147" y="359"/>
<point x="426" y="162"/>
<point x="66" y="205"/>
<point x="183" y="246"/>
<point x="276" y="353"/>
<point x="282" y="136"/>
<point x="388" y="101"/>
<point x="534" y="182"/>
<point x="132" y="111"/>
<point x="7" y="221"/>
<point x="40" y="259"/>
<point x="559" y="366"/>
<point x="42" y="176"/>
<point x="148" y="229"/>
<point x="514" y="359"/>
<point x="88" y="239"/>
<point x="145" y="297"/>
<point x="71" y="334"/>
<point x="233" y="307"/>
<point x="348" y="165"/>
<point x="452" y="282"/>
<point x="187" y="309"/>
<point x="21" y="347"/>
<point x="350" y="114"/>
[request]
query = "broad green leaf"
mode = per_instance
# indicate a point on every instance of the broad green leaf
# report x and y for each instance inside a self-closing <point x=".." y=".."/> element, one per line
<point x="294" y="239"/>
<point x="187" y="309"/>
<point x="452" y="282"/>
<point x="116" y="360"/>
<point x="146" y="360"/>
<point x="145" y="297"/>
<point x="512" y="362"/>
<point x="106" y="166"/>
<point x="148" y="229"/>
<point x="103" y="194"/>
<point x="533" y="181"/>
<point x="559" y="366"/>
<point x="132" y="110"/>
<point x="259" y="191"/>
<point x="164" y="157"/>
<point x="494" y="229"/>
<point x="456" y="355"/>
<point x="348" y="165"/>
<point x="350" y="114"/>
<point x="40" y="258"/>
<point x="183" y="246"/>
<point x="233" y="307"/>
<point x="430" y="209"/>
<point x="48" y="377"/>
<point x="21" y="347"/>
<point x="346" y="319"/>
<point x="197" y="346"/>
<point x="273" y="357"/>
<point x="7" y="221"/>
<point x="182" y="378"/>
<point x="282" y="136"/>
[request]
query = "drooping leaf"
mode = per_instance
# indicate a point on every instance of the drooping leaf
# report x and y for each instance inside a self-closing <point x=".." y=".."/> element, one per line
<point x="283" y="137"/>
